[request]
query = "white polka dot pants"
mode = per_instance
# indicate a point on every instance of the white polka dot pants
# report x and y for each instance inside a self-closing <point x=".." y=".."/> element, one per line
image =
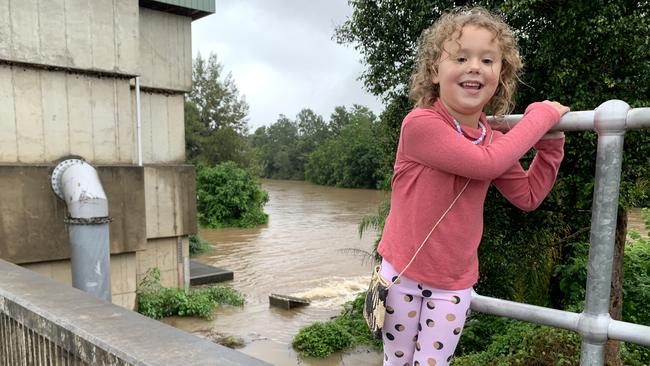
<point x="423" y="324"/>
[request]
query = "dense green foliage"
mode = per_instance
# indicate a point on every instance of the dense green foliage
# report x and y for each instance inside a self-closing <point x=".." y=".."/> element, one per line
<point x="229" y="196"/>
<point x="215" y="116"/>
<point x="344" y="152"/>
<point x="347" y="330"/>
<point x="158" y="302"/>
<point x="351" y="157"/>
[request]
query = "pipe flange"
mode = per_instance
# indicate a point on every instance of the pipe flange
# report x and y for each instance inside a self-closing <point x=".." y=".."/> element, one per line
<point x="57" y="173"/>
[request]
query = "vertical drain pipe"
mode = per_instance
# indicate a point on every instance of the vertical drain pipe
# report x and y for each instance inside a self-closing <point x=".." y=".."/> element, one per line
<point x="77" y="183"/>
<point x="138" y="120"/>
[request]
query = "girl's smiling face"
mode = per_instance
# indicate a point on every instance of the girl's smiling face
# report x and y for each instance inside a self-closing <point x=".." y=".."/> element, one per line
<point x="468" y="73"/>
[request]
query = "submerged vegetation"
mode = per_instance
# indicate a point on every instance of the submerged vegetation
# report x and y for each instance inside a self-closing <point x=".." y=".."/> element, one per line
<point x="347" y="330"/>
<point x="156" y="301"/>
<point x="229" y="196"/>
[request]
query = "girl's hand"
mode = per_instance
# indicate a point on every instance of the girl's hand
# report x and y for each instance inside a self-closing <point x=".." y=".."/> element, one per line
<point x="561" y="109"/>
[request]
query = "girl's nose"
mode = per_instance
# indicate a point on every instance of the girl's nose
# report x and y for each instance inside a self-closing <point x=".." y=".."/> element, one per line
<point x="473" y="65"/>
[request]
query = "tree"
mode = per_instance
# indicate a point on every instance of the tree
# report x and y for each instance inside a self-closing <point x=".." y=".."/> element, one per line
<point x="215" y="116"/>
<point x="353" y="157"/>
<point x="579" y="52"/>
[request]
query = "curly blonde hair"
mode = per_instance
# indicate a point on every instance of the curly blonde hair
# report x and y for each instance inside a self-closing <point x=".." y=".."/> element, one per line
<point x="430" y="50"/>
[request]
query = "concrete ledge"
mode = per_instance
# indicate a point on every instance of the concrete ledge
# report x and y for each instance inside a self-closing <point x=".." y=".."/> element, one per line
<point x="202" y="273"/>
<point x="93" y="331"/>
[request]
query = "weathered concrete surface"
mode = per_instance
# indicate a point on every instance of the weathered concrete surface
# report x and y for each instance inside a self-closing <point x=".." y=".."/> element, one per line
<point x="123" y="276"/>
<point x="78" y="34"/>
<point x="95" y="331"/>
<point x="163" y="130"/>
<point x="48" y="114"/>
<point x="163" y="253"/>
<point x="31" y="224"/>
<point x="165" y="50"/>
<point x="170" y="194"/>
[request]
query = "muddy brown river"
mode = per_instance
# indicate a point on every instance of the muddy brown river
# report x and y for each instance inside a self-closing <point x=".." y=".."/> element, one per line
<point x="305" y="250"/>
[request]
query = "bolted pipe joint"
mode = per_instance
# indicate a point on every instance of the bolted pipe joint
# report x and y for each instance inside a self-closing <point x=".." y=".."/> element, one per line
<point x="594" y="328"/>
<point x="77" y="183"/>
<point x="610" y="118"/>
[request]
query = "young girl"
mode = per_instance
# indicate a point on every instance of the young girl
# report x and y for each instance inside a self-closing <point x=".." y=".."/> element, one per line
<point x="467" y="62"/>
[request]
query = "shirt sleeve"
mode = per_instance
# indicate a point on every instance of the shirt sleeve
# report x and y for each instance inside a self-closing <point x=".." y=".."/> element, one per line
<point x="527" y="189"/>
<point x="428" y="140"/>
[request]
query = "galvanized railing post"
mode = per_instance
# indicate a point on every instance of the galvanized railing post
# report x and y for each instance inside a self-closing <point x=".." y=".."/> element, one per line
<point x="610" y="120"/>
<point x="609" y="123"/>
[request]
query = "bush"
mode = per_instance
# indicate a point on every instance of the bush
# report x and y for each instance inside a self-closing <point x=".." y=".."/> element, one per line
<point x="228" y="196"/>
<point x="524" y="344"/>
<point x="347" y="330"/>
<point x="158" y="302"/>
<point x="321" y="339"/>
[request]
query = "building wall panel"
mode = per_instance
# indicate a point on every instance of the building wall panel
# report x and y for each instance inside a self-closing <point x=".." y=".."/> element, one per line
<point x="80" y="34"/>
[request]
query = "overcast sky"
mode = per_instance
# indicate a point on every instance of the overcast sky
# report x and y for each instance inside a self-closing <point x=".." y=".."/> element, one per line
<point x="282" y="57"/>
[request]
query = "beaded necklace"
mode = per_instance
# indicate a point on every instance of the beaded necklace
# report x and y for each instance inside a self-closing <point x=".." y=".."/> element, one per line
<point x="478" y="140"/>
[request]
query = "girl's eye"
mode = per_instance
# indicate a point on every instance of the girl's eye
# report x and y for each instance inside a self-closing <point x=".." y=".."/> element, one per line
<point x="487" y="61"/>
<point x="460" y="59"/>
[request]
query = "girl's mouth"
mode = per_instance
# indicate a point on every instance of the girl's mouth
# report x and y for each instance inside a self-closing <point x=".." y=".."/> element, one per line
<point x="471" y="85"/>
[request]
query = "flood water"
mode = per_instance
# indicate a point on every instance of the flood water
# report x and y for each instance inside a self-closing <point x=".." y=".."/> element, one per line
<point x="305" y="250"/>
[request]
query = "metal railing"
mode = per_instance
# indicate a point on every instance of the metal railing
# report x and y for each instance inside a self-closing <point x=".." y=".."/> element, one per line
<point x="43" y="322"/>
<point x="610" y="120"/>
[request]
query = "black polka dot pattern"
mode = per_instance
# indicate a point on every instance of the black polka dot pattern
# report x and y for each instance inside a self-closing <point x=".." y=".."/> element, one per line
<point x="426" y="293"/>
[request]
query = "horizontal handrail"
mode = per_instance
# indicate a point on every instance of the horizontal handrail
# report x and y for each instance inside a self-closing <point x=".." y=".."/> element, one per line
<point x="618" y="330"/>
<point x="637" y="118"/>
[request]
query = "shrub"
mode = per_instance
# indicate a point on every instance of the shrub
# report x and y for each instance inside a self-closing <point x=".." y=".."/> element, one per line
<point x="524" y="344"/>
<point x="347" y="330"/>
<point x="158" y="302"/>
<point x="321" y="339"/>
<point x="229" y="196"/>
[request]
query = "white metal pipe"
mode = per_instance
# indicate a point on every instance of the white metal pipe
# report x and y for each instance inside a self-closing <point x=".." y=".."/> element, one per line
<point x="138" y="119"/>
<point x="77" y="183"/>
<point x="637" y="118"/>
<point x="526" y="312"/>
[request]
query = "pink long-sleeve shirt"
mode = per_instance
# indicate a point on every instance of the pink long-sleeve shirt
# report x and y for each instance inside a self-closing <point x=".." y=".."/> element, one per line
<point x="432" y="165"/>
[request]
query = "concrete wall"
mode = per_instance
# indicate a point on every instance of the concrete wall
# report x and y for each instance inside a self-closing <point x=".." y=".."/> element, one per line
<point x="165" y="50"/>
<point x="123" y="276"/>
<point x="163" y="137"/>
<point x="49" y="114"/>
<point x="80" y="34"/>
<point x="31" y="224"/>
<point x="67" y="88"/>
